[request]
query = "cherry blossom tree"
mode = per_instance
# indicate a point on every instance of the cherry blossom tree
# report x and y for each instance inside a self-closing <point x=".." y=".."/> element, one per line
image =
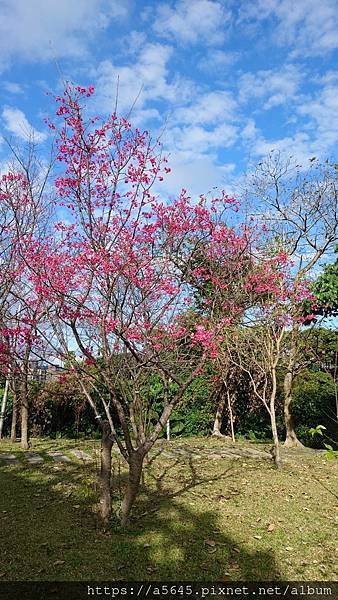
<point x="24" y="215"/>
<point x="118" y="277"/>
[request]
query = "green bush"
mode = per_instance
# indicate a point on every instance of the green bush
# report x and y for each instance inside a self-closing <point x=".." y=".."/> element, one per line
<point x="314" y="404"/>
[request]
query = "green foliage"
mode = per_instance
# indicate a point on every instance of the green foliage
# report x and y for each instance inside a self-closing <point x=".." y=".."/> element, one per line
<point x="195" y="414"/>
<point x="317" y="430"/>
<point x="314" y="401"/>
<point x="330" y="452"/>
<point x="325" y="290"/>
<point x="255" y="425"/>
<point x="58" y="409"/>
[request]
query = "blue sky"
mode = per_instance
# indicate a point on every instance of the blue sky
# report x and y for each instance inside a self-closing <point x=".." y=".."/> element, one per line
<point x="226" y="81"/>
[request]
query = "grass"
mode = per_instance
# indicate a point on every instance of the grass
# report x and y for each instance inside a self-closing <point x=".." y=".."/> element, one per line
<point x="196" y="518"/>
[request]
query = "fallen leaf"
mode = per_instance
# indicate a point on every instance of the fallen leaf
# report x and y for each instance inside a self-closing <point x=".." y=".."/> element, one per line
<point x="226" y="577"/>
<point x="59" y="562"/>
<point x="76" y="505"/>
<point x="271" y="527"/>
<point x="204" y="566"/>
<point x="336" y="552"/>
<point x="235" y="549"/>
<point x="288" y="548"/>
<point x="146" y="545"/>
<point x="210" y="543"/>
<point x="257" y="537"/>
<point x="234" y="565"/>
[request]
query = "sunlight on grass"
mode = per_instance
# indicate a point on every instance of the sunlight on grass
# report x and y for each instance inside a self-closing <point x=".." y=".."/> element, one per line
<point x="195" y="518"/>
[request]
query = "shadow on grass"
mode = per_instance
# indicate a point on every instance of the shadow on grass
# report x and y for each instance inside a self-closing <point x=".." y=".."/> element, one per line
<point x="48" y="531"/>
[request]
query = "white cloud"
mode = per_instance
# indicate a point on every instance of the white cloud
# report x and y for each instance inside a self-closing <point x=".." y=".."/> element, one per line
<point x="12" y="87"/>
<point x="309" y="26"/>
<point x="200" y="21"/>
<point x="205" y="124"/>
<point x="217" y="61"/>
<point x="209" y="108"/>
<point x="249" y="131"/>
<point x="315" y="127"/>
<point x="37" y="30"/>
<point x="328" y="78"/>
<point x="16" y="123"/>
<point x="196" y="140"/>
<point x="145" y="80"/>
<point x="199" y="175"/>
<point x="133" y="42"/>
<point x="299" y="145"/>
<point x="322" y="112"/>
<point x="276" y="87"/>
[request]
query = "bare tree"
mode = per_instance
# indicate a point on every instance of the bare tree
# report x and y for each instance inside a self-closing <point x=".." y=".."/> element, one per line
<point x="256" y="351"/>
<point x="299" y="205"/>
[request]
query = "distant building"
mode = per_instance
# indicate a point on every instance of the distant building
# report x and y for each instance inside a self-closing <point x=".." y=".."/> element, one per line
<point x="41" y="371"/>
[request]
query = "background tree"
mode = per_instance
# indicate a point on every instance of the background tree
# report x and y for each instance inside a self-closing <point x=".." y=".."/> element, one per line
<point x="325" y="290"/>
<point x="300" y="208"/>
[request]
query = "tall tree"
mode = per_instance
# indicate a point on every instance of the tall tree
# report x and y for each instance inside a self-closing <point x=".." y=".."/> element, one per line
<point x="118" y="276"/>
<point x="299" y="206"/>
<point x="24" y="214"/>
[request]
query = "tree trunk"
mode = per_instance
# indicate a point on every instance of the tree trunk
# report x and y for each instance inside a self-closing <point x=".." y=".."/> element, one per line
<point x="275" y="450"/>
<point x="3" y="406"/>
<point x="24" y="415"/>
<point x="216" y="431"/>
<point x="14" y="414"/>
<point x="231" y="417"/>
<point x="105" y="474"/>
<point x="133" y="485"/>
<point x="291" y="440"/>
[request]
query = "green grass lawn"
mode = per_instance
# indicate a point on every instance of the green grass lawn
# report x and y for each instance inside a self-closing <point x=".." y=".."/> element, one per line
<point x="195" y="519"/>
